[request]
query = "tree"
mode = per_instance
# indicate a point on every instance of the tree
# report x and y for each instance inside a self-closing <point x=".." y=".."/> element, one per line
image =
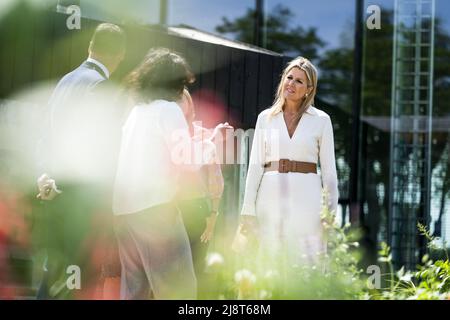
<point x="280" y="36"/>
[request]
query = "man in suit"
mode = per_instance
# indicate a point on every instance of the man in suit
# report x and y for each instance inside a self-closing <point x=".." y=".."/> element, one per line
<point x="78" y="154"/>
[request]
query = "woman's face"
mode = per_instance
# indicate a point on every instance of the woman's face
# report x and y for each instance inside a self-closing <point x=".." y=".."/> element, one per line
<point x="295" y="85"/>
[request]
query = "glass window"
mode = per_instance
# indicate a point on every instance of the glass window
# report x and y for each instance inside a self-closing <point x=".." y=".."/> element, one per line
<point x="440" y="181"/>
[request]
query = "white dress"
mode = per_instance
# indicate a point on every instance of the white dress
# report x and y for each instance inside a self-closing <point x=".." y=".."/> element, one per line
<point x="288" y="205"/>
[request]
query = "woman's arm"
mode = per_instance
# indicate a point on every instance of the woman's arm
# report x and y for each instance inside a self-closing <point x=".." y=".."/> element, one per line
<point x="187" y="152"/>
<point x="215" y="186"/>
<point x="255" y="171"/>
<point x="328" y="165"/>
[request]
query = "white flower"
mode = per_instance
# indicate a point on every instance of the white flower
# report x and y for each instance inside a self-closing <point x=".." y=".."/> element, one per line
<point x="214" y="260"/>
<point x="245" y="281"/>
<point x="401" y="272"/>
<point x="244" y="276"/>
<point x="264" y="295"/>
<point x="406" y="277"/>
<point x="271" y="274"/>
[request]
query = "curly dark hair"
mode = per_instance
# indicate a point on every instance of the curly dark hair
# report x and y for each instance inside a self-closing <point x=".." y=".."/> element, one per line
<point x="163" y="74"/>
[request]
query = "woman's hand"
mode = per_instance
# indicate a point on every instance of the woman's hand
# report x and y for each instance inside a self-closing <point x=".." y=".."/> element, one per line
<point x="209" y="230"/>
<point x="218" y="133"/>
<point x="246" y="237"/>
<point x="249" y="225"/>
<point x="47" y="188"/>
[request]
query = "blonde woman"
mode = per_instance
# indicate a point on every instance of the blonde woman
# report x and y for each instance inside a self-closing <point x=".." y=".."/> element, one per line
<point x="283" y="190"/>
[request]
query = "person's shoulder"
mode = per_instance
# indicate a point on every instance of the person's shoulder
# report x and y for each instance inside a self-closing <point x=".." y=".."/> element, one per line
<point x="68" y="78"/>
<point x="317" y="112"/>
<point x="166" y="106"/>
<point x="82" y="75"/>
<point x="167" y="111"/>
<point x="265" y="114"/>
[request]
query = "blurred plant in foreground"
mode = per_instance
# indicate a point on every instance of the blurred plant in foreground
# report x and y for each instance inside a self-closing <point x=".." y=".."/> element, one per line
<point x="431" y="281"/>
<point x="335" y="274"/>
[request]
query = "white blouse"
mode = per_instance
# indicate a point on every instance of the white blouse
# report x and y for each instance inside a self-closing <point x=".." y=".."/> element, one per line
<point x="312" y="141"/>
<point x="156" y="147"/>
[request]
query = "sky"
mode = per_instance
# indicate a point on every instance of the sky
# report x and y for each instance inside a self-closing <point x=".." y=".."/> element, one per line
<point x="331" y="18"/>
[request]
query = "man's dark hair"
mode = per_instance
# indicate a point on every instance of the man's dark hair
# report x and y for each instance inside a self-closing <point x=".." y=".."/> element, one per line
<point x="162" y="75"/>
<point x="108" y="39"/>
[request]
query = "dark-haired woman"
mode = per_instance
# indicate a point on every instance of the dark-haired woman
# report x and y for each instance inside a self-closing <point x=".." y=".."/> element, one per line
<point x="153" y="245"/>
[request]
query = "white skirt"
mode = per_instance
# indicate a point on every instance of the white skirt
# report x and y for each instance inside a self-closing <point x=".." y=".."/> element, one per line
<point x="288" y="208"/>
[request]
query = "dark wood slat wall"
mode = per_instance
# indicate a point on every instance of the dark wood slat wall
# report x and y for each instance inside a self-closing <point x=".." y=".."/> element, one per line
<point x="208" y="57"/>
<point x="43" y="42"/>
<point x="60" y="54"/>
<point x="44" y="49"/>
<point x="265" y="83"/>
<point x="8" y="36"/>
<point x="139" y="40"/>
<point x="223" y="60"/>
<point x="22" y="48"/>
<point x="277" y="68"/>
<point x="179" y="45"/>
<point x="193" y="55"/>
<point x="251" y="82"/>
<point x="40" y="42"/>
<point x="237" y="76"/>
<point x="161" y="40"/>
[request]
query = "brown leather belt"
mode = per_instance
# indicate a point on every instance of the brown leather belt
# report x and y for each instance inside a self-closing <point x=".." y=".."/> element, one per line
<point x="286" y="165"/>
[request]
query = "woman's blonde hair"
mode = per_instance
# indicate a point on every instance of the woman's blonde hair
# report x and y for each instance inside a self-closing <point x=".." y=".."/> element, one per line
<point x="311" y="75"/>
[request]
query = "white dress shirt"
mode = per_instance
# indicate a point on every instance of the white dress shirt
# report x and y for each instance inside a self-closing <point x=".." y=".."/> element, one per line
<point x="100" y="65"/>
<point x="312" y="141"/>
<point x="155" y="138"/>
